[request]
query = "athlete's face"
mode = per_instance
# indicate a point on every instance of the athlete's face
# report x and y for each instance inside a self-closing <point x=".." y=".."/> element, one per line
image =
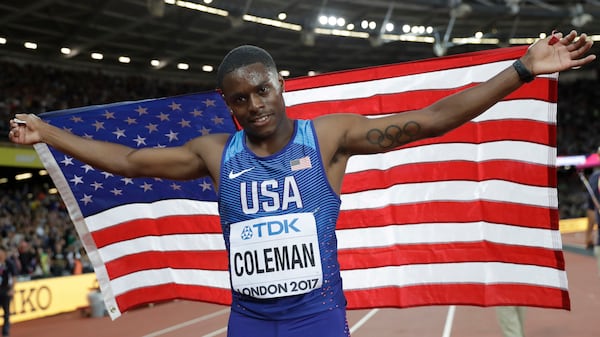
<point x="255" y="96"/>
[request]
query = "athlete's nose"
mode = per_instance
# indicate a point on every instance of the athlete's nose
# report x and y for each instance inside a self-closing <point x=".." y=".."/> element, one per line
<point x="255" y="102"/>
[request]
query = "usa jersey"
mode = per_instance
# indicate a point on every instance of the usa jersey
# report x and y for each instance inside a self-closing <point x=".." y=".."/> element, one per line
<point x="278" y="215"/>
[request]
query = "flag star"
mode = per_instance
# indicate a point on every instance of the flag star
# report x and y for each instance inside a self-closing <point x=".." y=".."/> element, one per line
<point x="176" y="187"/>
<point x="116" y="191"/>
<point x="204" y="131"/>
<point x="67" y="129"/>
<point x="172" y="135"/>
<point x="151" y="127"/>
<point x="141" y="111"/>
<point x="67" y="161"/>
<point x="76" y="180"/>
<point x="163" y="117"/>
<point x="175" y="106"/>
<point x="130" y="121"/>
<point x="209" y="102"/>
<point x="127" y="181"/>
<point x="158" y="179"/>
<point x="184" y="123"/>
<point x="196" y="112"/>
<point x="159" y="146"/>
<point x="108" y="115"/>
<point x="98" y="125"/>
<point x="86" y="199"/>
<point x="87" y="168"/>
<point x="107" y="174"/>
<point x="88" y="136"/>
<point x="76" y="119"/>
<point x="140" y="140"/>
<point x="147" y="187"/>
<point x="96" y="185"/>
<point x="119" y="133"/>
<point x="205" y="186"/>
<point x="217" y="120"/>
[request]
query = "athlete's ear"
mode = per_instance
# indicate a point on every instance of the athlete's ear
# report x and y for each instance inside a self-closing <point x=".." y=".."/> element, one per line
<point x="281" y="83"/>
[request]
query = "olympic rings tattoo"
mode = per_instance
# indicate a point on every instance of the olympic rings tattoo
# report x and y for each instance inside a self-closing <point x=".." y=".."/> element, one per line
<point x="394" y="135"/>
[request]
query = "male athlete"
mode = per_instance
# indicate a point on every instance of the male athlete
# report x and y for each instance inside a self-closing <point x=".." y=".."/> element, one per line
<point x="283" y="176"/>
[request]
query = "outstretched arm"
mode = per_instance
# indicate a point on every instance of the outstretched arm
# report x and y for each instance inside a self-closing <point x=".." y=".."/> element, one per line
<point x="184" y="162"/>
<point x="553" y="54"/>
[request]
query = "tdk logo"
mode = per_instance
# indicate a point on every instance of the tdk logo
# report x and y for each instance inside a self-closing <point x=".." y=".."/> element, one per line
<point x="272" y="228"/>
<point x="247" y="233"/>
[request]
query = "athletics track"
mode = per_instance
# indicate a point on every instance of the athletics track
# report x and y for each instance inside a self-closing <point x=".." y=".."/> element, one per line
<point x="183" y="318"/>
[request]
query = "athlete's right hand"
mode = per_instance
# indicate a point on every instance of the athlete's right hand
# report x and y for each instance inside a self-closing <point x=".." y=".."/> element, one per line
<point x="25" y="133"/>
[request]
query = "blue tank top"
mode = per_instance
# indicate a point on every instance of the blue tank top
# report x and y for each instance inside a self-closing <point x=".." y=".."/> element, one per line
<point x="278" y="215"/>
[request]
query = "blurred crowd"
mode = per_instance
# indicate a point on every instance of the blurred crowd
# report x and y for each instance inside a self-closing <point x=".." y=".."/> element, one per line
<point x="37" y="233"/>
<point x="35" y="226"/>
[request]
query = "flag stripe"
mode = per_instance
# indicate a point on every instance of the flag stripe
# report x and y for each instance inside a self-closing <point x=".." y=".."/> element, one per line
<point x="460" y="272"/>
<point x="460" y="294"/>
<point x="465" y="170"/>
<point x="436" y="233"/>
<point x="181" y="259"/>
<point x="406" y="68"/>
<point x="165" y="243"/>
<point x="398" y="255"/>
<point x="430" y="81"/>
<point x="504" y="150"/>
<point x="131" y="229"/>
<point x="155" y="210"/>
<point x="493" y="190"/>
<point x="445" y="211"/>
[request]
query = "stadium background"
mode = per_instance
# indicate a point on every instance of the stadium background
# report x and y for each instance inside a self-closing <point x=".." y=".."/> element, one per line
<point x="33" y="222"/>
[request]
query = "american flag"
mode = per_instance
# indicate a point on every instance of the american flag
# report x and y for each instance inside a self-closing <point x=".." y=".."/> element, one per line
<point x="467" y="218"/>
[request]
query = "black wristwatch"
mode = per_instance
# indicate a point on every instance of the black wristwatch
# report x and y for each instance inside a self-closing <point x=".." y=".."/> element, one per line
<point x="524" y="74"/>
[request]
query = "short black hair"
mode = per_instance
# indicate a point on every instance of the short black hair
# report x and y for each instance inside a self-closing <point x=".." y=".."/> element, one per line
<point x="242" y="56"/>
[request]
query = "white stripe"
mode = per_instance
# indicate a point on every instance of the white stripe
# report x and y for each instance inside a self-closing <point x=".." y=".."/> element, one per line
<point x="153" y="210"/>
<point x="528" y="109"/>
<point x="448" y="273"/>
<point x="492" y="190"/>
<point x="432" y="233"/>
<point x="164" y="243"/>
<point x="501" y="150"/>
<point x="155" y="277"/>
<point x="188" y="323"/>
<point x="443" y="79"/>
<point x="216" y="332"/>
<point x="524" y="109"/>
<point x="363" y="320"/>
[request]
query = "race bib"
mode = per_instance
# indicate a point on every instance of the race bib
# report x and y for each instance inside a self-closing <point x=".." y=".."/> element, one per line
<point x="275" y="256"/>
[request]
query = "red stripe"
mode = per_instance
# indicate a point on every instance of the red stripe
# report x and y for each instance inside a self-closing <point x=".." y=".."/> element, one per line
<point x="404" y="69"/>
<point x="451" y="211"/>
<point x="523" y="173"/>
<point x="172" y="291"/>
<point x="204" y="260"/>
<point x="177" y="224"/>
<point x="540" y="89"/>
<point x="481" y="251"/>
<point x="459" y="294"/>
<point x="497" y="130"/>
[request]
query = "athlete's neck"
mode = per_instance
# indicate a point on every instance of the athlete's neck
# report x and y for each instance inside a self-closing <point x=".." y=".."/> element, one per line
<point x="275" y="142"/>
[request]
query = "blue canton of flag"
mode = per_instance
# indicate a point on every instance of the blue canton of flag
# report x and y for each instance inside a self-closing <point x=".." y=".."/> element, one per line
<point x="157" y="123"/>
